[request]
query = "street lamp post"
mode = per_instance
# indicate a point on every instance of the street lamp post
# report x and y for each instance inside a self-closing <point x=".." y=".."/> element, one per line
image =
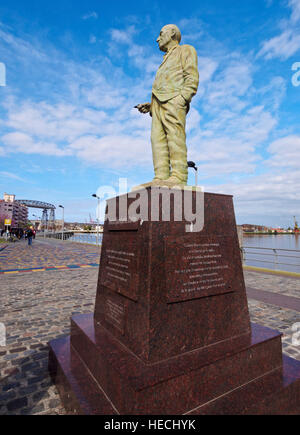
<point x="193" y="165"/>
<point x="96" y="196"/>
<point x="38" y="219"/>
<point x="63" y="222"/>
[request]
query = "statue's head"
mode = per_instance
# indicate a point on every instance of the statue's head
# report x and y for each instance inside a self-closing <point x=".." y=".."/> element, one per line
<point x="169" y="35"/>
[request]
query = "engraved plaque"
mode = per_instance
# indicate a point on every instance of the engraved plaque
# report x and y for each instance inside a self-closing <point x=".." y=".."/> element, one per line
<point x="115" y="313"/>
<point x="119" y="272"/>
<point x="198" y="267"/>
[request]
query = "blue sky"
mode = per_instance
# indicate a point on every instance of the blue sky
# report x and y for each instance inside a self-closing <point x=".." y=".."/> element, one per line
<point x="74" y="71"/>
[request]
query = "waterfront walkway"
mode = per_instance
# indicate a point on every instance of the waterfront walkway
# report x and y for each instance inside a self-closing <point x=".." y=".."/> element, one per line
<point x="43" y="285"/>
<point x="46" y="254"/>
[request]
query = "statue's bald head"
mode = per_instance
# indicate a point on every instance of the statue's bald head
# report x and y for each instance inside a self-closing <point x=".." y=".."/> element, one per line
<point x="176" y="34"/>
<point x="169" y="36"/>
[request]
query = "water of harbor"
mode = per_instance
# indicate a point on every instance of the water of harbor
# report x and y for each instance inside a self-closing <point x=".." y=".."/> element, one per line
<point x="276" y="252"/>
<point x="90" y="238"/>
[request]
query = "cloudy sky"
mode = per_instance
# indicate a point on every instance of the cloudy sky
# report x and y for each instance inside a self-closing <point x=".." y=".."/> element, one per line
<point x="74" y="71"/>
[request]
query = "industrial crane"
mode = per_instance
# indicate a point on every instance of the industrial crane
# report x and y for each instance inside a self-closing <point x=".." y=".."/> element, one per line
<point x="296" y="228"/>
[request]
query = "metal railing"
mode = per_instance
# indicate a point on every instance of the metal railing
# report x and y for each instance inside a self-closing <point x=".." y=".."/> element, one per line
<point x="88" y="238"/>
<point x="91" y="239"/>
<point x="272" y="256"/>
<point x="60" y="236"/>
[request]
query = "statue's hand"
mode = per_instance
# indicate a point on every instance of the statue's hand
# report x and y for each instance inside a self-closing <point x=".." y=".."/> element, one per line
<point x="144" y="108"/>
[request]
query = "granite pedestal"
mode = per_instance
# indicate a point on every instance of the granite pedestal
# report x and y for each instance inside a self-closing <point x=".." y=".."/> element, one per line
<point x="171" y="332"/>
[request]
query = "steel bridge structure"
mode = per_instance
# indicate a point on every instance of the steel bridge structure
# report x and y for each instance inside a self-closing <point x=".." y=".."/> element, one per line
<point x="48" y="217"/>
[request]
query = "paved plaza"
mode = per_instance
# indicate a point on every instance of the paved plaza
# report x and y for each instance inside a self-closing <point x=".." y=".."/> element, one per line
<point x="46" y="254"/>
<point x="43" y="285"/>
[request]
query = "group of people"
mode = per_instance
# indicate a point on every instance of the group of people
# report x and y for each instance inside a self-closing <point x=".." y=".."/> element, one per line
<point x="19" y="233"/>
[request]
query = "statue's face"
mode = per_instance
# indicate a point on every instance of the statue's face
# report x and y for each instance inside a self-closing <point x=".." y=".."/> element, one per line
<point x="165" y="37"/>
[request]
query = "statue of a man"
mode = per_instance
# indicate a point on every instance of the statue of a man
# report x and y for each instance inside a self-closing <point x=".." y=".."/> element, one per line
<point x="175" y="84"/>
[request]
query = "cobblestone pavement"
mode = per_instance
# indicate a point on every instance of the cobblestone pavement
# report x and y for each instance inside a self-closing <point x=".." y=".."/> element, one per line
<point x="283" y="319"/>
<point x="36" y="307"/>
<point x="274" y="283"/>
<point x="46" y="253"/>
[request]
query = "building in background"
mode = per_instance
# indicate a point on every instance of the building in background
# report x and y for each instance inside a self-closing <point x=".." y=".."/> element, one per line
<point x="249" y="228"/>
<point x="10" y="209"/>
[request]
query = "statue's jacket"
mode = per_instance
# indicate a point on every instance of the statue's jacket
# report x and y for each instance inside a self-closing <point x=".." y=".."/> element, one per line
<point x="177" y="75"/>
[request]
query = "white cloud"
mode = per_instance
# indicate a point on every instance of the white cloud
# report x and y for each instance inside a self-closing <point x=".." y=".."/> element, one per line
<point x="123" y="36"/>
<point x="59" y="122"/>
<point x="282" y="46"/>
<point x="19" y="142"/>
<point x="11" y="175"/>
<point x="269" y="199"/>
<point x="274" y="194"/>
<point x="90" y="15"/>
<point x="92" y="39"/>
<point x="193" y="120"/>
<point x="219" y="156"/>
<point x="229" y="86"/>
<point x="285" y="152"/>
<point x="207" y="67"/>
<point x="295" y="5"/>
<point x="113" y="151"/>
<point x="287" y="43"/>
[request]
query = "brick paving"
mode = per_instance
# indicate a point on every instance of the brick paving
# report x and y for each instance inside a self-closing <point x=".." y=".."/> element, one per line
<point x="48" y="253"/>
<point x="274" y="298"/>
<point x="36" y="307"/>
<point x="274" y="283"/>
<point x="270" y="314"/>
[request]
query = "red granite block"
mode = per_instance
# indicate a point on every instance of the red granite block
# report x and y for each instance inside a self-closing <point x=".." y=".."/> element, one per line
<point x="171" y="331"/>
<point x="178" y="384"/>
<point x="79" y="392"/>
<point x="248" y="379"/>
<point x="277" y="393"/>
<point x="163" y="291"/>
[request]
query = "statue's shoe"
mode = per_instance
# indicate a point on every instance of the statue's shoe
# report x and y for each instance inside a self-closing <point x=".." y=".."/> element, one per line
<point x="173" y="182"/>
<point x="155" y="182"/>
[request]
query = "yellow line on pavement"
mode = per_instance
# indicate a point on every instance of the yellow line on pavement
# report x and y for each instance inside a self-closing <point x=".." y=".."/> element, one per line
<point x="274" y="272"/>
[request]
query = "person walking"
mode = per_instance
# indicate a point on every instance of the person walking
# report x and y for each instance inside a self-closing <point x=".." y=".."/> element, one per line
<point x="29" y="236"/>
